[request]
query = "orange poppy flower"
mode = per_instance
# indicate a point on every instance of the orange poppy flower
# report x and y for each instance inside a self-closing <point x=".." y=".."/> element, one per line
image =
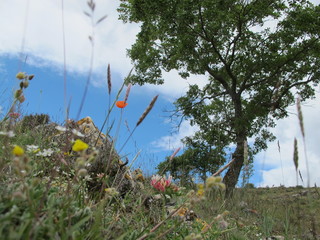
<point x="121" y="104"/>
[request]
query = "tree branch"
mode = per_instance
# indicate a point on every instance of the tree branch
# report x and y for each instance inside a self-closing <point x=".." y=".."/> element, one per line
<point x="279" y="68"/>
<point x="222" y="59"/>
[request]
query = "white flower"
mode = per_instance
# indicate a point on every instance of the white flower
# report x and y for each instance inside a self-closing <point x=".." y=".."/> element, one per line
<point x="77" y="133"/>
<point x="45" y="153"/>
<point x="32" y="148"/>
<point x="9" y="134"/>
<point x="61" y="129"/>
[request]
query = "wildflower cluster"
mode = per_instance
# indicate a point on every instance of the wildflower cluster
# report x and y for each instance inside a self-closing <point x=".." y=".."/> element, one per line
<point x="14" y="115"/>
<point x="215" y="182"/>
<point x="83" y="160"/>
<point x="200" y="191"/>
<point x="160" y="183"/>
<point x="20" y="161"/>
<point x="32" y="148"/>
<point x="45" y="152"/>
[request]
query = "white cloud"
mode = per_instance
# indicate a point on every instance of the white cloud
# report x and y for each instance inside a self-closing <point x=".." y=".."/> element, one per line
<point x="173" y="141"/>
<point x="278" y="163"/>
<point x="175" y="86"/>
<point x="42" y="32"/>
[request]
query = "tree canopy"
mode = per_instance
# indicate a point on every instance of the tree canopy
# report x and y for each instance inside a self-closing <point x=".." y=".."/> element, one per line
<point x="258" y="54"/>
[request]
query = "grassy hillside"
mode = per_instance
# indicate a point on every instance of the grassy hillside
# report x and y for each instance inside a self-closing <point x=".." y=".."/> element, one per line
<point x="48" y="192"/>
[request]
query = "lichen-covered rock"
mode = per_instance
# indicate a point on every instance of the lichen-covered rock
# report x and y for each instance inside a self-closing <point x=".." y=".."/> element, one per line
<point x="92" y="133"/>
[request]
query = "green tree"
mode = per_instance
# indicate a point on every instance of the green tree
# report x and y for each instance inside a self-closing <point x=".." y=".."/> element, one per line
<point x="200" y="158"/>
<point x="257" y="54"/>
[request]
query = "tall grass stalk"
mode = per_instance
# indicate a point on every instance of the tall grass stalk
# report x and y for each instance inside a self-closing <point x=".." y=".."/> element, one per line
<point x="113" y="104"/>
<point x="296" y="157"/>
<point x="300" y="116"/>
<point x="64" y="63"/>
<point x="91" y="38"/>
<point x="279" y="151"/>
<point x="142" y="117"/>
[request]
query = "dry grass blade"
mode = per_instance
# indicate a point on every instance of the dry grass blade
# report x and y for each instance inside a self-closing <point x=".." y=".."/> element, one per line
<point x="101" y="19"/>
<point x="146" y="112"/>
<point x="174" y="153"/>
<point x="300" y="116"/>
<point x="162" y="222"/>
<point x="170" y="161"/>
<point x="109" y="79"/>
<point x="223" y="168"/>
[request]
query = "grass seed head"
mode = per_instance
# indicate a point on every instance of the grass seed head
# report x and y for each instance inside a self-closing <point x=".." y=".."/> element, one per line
<point x="109" y="79"/>
<point x="296" y="154"/>
<point x="300" y="116"/>
<point x="148" y="109"/>
<point x="127" y="92"/>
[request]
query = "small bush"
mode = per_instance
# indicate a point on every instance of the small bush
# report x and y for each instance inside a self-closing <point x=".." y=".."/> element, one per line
<point x="31" y="121"/>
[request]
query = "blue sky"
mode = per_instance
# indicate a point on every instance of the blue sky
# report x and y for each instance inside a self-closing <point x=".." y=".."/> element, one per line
<point x="33" y="28"/>
<point x="45" y="94"/>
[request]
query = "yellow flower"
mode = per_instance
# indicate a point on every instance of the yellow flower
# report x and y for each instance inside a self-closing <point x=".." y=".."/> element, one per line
<point x="200" y="192"/>
<point x="17" y="151"/>
<point x="215" y="182"/>
<point x="20" y="75"/>
<point x="79" y="146"/>
<point x="111" y="192"/>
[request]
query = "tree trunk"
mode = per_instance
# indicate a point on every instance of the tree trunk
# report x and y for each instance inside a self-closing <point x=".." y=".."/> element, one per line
<point x="232" y="175"/>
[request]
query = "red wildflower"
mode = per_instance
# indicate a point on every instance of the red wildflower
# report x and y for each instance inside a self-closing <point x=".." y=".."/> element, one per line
<point x="160" y="183"/>
<point x="121" y="104"/>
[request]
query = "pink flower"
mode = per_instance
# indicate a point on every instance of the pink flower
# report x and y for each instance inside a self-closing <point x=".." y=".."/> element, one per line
<point x="160" y="183"/>
<point x="14" y="115"/>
